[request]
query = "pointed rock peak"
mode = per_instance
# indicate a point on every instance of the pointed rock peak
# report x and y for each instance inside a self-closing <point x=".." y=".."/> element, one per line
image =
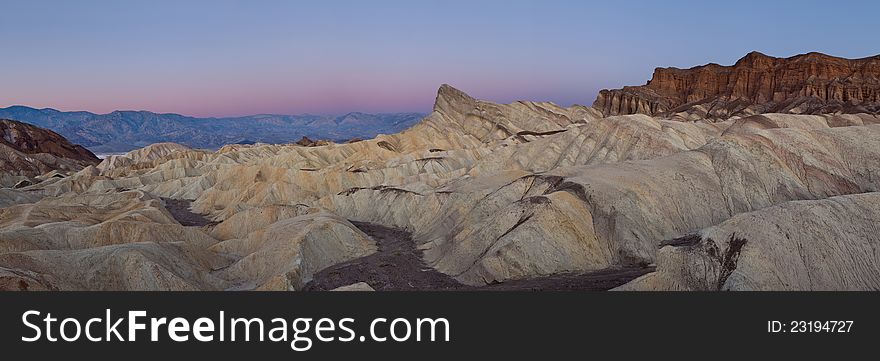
<point x="757" y="54"/>
<point x="755" y="57"/>
<point x="816" y="56"/>
<point x="448" y="96"/>
<point x="448" y="89"/>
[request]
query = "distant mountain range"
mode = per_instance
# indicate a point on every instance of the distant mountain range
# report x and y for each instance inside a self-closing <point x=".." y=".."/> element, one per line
<point x="121" y="131"/>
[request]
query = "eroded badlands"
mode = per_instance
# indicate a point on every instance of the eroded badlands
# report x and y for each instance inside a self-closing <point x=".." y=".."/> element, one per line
<point x="489" y="194"/>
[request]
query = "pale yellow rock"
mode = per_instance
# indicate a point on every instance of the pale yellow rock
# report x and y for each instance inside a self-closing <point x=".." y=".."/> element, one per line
<point x="356" y="287"/>
<point x="79" y="221"/>
<point x="285" y="254"/>
<point x="828" y="244"/>
<point x="142" y="155"/>
<point x="124" y="267"/>
<point x="632" y="206"/>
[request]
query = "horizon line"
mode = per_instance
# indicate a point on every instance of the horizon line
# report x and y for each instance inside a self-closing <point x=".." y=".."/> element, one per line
<point x="214" y="117"/>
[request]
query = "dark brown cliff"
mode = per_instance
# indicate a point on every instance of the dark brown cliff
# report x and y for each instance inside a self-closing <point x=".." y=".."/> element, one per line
<point x="30" y="151"/>
<point x="809" y="83"/>
<point x="30" y="139"/>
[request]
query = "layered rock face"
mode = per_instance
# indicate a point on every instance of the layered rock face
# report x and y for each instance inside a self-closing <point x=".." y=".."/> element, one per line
<point x="491" y="193"/>
<point x="27" y="151"/>
<point x="812" y="83"/>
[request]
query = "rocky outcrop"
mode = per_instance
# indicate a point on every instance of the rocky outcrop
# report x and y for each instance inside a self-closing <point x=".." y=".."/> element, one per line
<point x="140" y="156"/>
<point x="123" y="267"/>
<point x="508" y="225"/>
<point x="355" y="287"/>
<point x="284" y="255"/>
<point x="30" y="139"/>
<point x="27" y="151"/>
<point x="130" y="241"/>
<point x="105" y="241"/>
<point x="816" y="245"/>
<point x="811" y="83"/>
<point x="308" y="142"/>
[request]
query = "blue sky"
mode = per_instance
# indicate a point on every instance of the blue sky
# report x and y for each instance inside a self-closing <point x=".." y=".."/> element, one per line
<point x="213" y="58"/>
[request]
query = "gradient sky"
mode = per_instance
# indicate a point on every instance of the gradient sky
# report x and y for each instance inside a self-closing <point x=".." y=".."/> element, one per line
<point x="226" y="58"/>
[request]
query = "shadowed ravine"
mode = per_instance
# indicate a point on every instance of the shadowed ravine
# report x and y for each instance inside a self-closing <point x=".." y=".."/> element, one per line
<point x="180" y="211"/>
<point x="398" y="266"/>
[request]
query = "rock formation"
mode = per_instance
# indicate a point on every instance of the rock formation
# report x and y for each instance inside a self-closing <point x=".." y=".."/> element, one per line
<point x="143" y="156"/>
<point x="308" y="142"/>
<point x="821" y="245"/>
<point x="29" y="139"/>
<point x="27" y="152"/>
<point x="811" y="83"/>
<point x="356" y="287"/>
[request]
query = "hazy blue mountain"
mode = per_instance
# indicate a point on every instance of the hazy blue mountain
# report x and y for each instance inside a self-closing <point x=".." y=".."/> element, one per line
<point x="122" y="131"/>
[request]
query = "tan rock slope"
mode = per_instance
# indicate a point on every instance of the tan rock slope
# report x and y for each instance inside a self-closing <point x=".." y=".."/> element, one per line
<point x="589" y="217"/>
<point x="141" y="157"/>
<point x="490" y="193"/>
<point x="811" y="83"/>
<point x="828" y="244"/>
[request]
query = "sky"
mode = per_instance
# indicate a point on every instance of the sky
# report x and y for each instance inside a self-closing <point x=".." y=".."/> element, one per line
<point x="230" y="58"/>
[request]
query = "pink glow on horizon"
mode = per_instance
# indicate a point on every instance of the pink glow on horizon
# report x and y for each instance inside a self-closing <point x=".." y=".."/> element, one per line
<point x="228" y="58"/>
<point x="331" y="95"/>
